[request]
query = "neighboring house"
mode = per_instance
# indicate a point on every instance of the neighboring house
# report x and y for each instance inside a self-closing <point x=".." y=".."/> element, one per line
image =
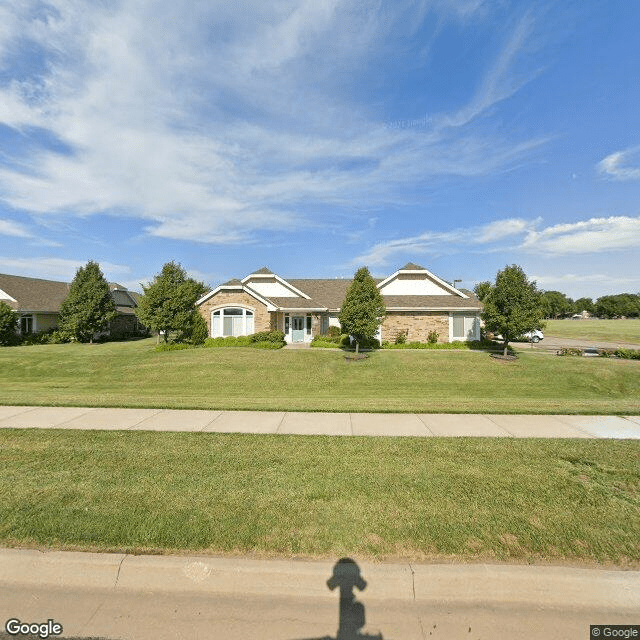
<point x="38" y="302"/>
<point x="417" y="302"/>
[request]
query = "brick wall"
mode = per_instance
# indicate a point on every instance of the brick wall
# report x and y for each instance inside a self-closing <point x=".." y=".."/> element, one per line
<point x="417" y="324"/>
<point x="261" y="317"/>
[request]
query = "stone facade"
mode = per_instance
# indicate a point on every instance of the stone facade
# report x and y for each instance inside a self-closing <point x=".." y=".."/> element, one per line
<point x="261" y="317"/>
<point x="417" y="324"/>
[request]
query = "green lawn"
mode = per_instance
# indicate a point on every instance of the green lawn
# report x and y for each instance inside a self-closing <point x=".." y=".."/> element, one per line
<point x="627" y="331"/>
<point x="383" y="498"/>
<point x="132" y="374"/>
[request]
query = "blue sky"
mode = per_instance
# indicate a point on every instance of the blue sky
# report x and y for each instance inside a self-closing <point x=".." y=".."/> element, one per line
<point x="316" y="136"/>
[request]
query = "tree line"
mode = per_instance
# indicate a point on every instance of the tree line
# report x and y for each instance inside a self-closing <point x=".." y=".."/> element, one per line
<point x="555" y="304"/>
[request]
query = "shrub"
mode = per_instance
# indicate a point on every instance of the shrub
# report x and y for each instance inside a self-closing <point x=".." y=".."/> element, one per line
<point x="345" y="340"/>
<point x="267" y="336"/>
<point x="333" y="334"/>
<point x="322" y="343"/>
<point x="173" y="346"/>
<point x="432" y="337"/>
<point x="8" y="325"/>
<point x="569" y="351"/>
<point x="401" y="338"/>
<point x="230" y="341"/>
<point x="629" y="354"/>
<point x="199" y="331"/>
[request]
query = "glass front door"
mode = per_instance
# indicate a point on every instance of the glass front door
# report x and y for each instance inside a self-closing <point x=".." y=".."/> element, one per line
<point x="297" y="329"/>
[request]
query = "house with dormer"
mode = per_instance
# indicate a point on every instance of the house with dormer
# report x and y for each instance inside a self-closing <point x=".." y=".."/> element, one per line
<point x="417" y="303"/>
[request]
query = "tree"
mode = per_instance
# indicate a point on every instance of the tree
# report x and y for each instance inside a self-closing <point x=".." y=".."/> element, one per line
<point x="88" y="307"/>
<point x="622" y="304"/>
<point x="168" y="303"/>
<point x="482" y="289"/>
<point x="363" y="308"/>
<point x="8" y="325"/>
<point x="584" y="304"/>
<point x="556" y="304"/>
<point x="512" y="307"/>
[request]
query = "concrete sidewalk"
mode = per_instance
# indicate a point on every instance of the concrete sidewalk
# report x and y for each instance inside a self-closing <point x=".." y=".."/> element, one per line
<point x="157" y="597"/>
<point x="337" y="424"/>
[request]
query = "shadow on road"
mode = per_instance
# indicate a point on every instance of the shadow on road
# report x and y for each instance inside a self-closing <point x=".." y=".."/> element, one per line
<point x="351" y="617"/>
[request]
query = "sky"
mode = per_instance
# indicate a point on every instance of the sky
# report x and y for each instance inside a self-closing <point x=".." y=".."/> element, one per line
<point x="317" y="136"/>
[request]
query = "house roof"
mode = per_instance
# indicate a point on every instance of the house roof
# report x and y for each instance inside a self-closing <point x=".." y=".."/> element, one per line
<point x="329" y="294"/>
<point x="264" y="271"/>
<point x="47" y="296"/>
<point x="412" y="266"/>
<point x="33" y="294"/>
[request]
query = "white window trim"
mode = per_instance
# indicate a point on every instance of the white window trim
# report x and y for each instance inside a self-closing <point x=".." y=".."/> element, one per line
<point x="244" y="318"/>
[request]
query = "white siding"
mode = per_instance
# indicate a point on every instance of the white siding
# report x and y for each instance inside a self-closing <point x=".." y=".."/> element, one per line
<point x="267" y="289"/>
<point x="403" y="286"/>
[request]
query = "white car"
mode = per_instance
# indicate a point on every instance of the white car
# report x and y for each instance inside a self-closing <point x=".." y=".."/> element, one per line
<point x="531" y="336"/>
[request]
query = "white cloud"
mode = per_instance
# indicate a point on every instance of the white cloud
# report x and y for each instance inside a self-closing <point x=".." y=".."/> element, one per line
<point x="614" y="166"/>
<point x="595" y="235"/>
<point x="445" y="242"/>
<point x="56" y="268"/>
<point x="211" y="122"/>
<point x="10" y="228"/>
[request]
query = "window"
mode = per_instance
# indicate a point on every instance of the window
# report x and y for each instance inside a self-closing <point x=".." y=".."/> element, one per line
<point x="286" y="323"/>
<point x="26" y="324"/>
<point x="232" y="321"/>
<point x="308" y="325"/>
<point x="466" y="327"/>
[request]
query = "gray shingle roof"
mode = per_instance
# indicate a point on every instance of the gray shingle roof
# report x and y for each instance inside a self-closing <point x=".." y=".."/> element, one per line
<point x="330" y="293"/>
<point x="34" y="294"/>
<point x="265" y="271"/>
<point x="412" y="266"/>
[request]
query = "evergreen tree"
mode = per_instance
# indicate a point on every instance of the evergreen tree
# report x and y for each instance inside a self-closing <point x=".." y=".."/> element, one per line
<point x="88" y="307"/>
<point x="168" y="303"/>
<point x="8" y="325"/>
<point x="363" y="308"/>
<point x="513" y="306"/>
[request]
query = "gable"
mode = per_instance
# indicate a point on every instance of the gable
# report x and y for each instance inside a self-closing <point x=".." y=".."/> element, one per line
<point x="413" y="284"/>
<point x="270" y="287"/>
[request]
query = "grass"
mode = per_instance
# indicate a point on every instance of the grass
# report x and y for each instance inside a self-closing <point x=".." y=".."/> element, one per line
<point x="383" y="498"/>
<point x="132" y="374"/>
<point x="626" y="331"/>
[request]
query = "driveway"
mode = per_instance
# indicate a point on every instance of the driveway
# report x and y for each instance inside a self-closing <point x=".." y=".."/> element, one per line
<point x="552" y="343"/>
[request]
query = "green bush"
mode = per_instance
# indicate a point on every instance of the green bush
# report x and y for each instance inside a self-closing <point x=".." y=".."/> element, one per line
<point x="401" y="338"/>
<point x="8" y="325"/>
<point x="569" y="351"/>
<point x="230" y="341"/>
<point x="199" y="331"/>
<point x="628" y="354"/>
<point x="173" y="346"/>
<point x="333" y="334"/>
<point x="432" y="337"/>
<point x="456" y="345"/>
<point x="344" y="340"/>
<point x="268" y="336"/>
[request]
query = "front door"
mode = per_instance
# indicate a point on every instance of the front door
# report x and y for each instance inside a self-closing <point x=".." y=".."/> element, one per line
<point x="297" y="329"/>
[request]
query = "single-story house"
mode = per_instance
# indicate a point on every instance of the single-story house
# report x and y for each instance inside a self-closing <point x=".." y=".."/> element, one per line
<point x="417" y="302"/>
<point x="38" y="302"/>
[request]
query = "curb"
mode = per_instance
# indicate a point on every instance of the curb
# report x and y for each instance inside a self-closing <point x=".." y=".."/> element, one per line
<point x="483" y="584"/>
